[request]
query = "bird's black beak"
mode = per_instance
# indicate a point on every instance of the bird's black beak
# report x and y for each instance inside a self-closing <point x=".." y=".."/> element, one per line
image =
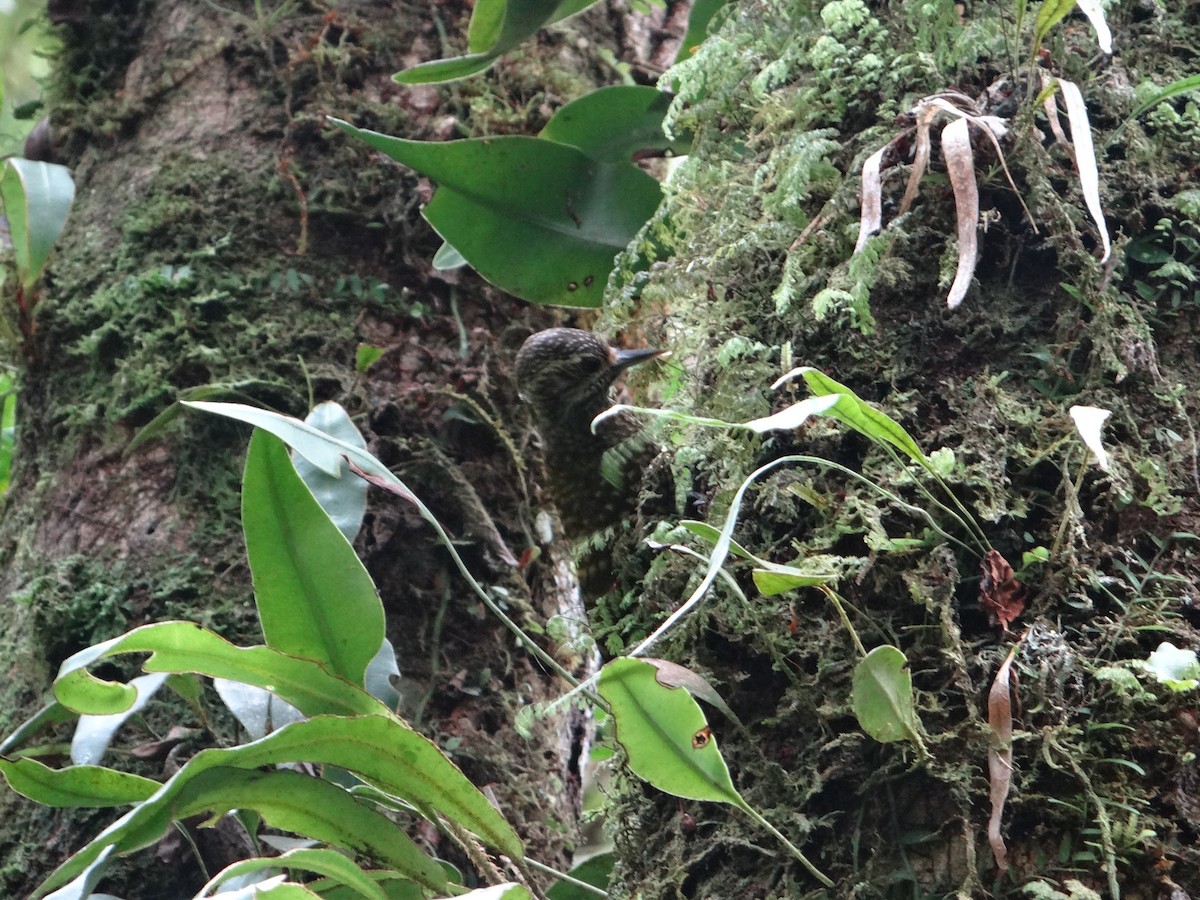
<point x="624" y="359"/>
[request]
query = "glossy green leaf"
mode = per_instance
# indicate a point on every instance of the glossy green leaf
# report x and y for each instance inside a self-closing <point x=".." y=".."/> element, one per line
<point x="342" y="496"/>
<point x="314" y="597"/>
<point x="92" y="787"/>
<point x="187" y="647"/>
<point x="664" y="734"/>
<point x="883" y="696"/>
<point x="536" y="218"/>
<point x="502" y="25"/>
<point x="330" y="863"/>
<point x="284" y="799"/>
<point x="37" y="197"/>
<point x="614" y="124"/>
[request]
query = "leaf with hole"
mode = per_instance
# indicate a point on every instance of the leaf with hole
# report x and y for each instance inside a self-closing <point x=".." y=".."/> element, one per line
<point x="665" y="736"/>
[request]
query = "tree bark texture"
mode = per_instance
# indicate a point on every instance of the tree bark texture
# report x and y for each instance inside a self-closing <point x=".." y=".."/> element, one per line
<point x="787" y="100"/>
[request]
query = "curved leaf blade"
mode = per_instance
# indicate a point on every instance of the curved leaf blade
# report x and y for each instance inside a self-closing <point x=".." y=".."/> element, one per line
<point x="883" y="697"/>
<point x="94" y="787"/>
<point x="315" y="599"/>
<point x="615" y="123"/>
<point x="499" y="197"/>
<point x="186" y="647"/>
<point x="664" y="733"/>
<point x="37" y="197"/>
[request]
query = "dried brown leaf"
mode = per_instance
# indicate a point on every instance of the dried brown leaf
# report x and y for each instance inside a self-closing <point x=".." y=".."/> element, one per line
<point x="960" y="166"/>
<point x="924" y="114"/>
<point x="1001" y="596"/>
<point x="871" y="218"/>
<point x="1000" y="727"/>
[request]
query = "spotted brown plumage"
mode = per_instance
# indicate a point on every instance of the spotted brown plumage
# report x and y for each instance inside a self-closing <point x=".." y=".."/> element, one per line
<point x="566" y="375"/>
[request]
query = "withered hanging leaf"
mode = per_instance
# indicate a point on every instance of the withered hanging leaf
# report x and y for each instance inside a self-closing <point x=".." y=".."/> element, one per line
<point x="960" y="166"/>
<point x="871" y="219"/>
<point x="1001" y="596"/>
<point x="1000" y="726"/>
<point x="1085" y="159"/>
<point x="924" y="115"/>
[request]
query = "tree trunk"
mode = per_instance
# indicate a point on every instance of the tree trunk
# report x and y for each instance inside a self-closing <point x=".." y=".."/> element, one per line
<point x="225" y="235"/>
<point x="787" y="102"/>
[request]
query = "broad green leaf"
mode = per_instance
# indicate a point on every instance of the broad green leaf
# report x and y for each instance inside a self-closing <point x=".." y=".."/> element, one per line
<point x="615" y="123"/>
<point x="776" y="579"/>
<point x="37" y="197"/>
<point x="387" y="754"/>
<point x="187" y="647"/>
<point x="483" y="32"/>
<point x="75" y="786"/>
<point x="93" y="734"/>
<point x="855" y="412"/>
<point x="501" y="27"/>
<point x="330" y="863"/>
<point x="699" y="20"/>
<point x="883" y="696"/>
<point x="536" y="218"/>
<point x="379" y="749"/>
<point x="314" y="597"/>
<point x="344" y="496"/>
<point x="284" y="799"/>
<point x="664" y="733"/>
<point x="380" y="671"/>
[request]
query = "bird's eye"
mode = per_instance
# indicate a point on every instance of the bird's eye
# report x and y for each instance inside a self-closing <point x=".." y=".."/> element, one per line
<point x="590" y="365"/>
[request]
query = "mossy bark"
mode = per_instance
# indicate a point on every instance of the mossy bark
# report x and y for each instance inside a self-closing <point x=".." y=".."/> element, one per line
<point x="787" y="100"/>
<point x="224" y="235"/>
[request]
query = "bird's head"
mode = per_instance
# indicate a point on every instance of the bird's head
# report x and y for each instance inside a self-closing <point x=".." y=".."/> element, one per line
<point x="565" y="373"/>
